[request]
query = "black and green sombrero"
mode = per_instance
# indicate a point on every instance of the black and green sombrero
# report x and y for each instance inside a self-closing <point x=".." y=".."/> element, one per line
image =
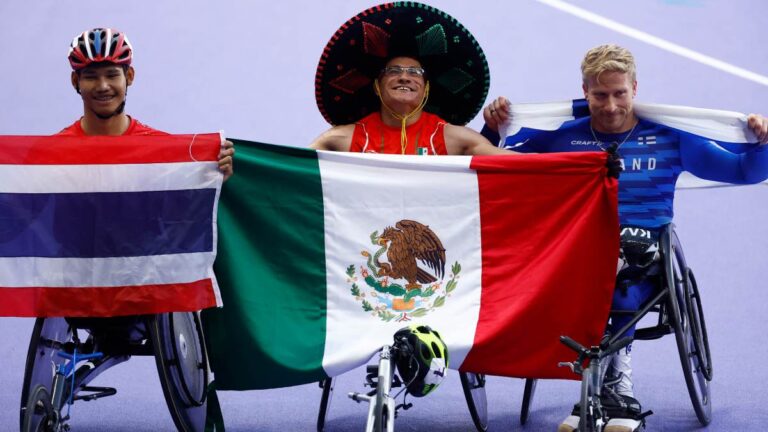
<point x="456" y="66"/>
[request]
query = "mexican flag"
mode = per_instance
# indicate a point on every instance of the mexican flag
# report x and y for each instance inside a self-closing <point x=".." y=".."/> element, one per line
<point x="323" y="256"/>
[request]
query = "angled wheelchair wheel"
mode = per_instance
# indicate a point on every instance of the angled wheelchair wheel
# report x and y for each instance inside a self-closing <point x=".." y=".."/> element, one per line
<point x="47" y="334"/>
<point x="699" y="327"/>
<point x="688" y="325"/>
<point x="177" y="340"/>
<point x="325" y="403"/>
<point x="528" y="392"/>
<point x="474" y="392"/>
<point x="39" y="415"/>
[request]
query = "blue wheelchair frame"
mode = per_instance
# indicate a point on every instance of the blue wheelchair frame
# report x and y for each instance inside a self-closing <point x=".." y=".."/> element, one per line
<point x="174" y="339"/>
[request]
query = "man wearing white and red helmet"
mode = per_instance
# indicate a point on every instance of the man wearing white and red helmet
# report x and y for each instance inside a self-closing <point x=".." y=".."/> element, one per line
<point x="101" y="73"/>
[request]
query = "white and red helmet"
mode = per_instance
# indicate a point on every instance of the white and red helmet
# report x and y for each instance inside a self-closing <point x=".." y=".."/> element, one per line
<point x="100" y="45"/>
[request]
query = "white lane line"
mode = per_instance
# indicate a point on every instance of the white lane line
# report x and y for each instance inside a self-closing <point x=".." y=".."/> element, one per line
<point x="656" y="41"/>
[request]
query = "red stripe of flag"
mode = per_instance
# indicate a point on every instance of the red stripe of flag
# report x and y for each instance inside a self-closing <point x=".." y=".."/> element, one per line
<point x="106" y="301"/>
<point x="91" y="150"/>
<point x="550" y="239"/>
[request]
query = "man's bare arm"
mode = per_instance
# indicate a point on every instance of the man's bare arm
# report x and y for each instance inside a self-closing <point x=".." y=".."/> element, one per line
<point x="337" y="138"/>
<point x="460" y="140"/>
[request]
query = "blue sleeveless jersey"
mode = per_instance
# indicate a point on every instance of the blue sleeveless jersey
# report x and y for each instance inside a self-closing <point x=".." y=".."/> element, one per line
<point x="653" y="157"/>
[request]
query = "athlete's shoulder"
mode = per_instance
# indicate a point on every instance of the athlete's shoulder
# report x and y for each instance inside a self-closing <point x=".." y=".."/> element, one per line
<point x="571" y="135"/>
<point x="432" y="118"/>
<point x="370" y="119"/>
<point x="138" y="128"/>
<point x="644" y="125"/>
<point x="72" y="130"/>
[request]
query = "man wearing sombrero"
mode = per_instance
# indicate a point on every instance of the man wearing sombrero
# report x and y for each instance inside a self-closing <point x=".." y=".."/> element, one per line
<point x="402" y="78"/>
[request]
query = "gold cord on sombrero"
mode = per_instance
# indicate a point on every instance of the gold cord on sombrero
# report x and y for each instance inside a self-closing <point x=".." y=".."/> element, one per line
<point x="403" y="119"/>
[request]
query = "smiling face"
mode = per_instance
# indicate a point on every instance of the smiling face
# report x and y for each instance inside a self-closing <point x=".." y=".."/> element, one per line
<point x="610" y="96"/>
<point x="402" y="84"/>
<point x="103" y="88"/>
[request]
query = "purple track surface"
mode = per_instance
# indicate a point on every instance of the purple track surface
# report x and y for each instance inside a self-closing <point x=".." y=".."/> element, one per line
<point x="248" y="68"/>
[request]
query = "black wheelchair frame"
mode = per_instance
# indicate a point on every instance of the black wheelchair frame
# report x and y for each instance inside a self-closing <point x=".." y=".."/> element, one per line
<point x="678" y="305"/>
<point x="174" y="339"/>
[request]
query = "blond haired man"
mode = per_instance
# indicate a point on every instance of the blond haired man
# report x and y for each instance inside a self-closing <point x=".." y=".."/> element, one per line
<point x="653" y="156"/>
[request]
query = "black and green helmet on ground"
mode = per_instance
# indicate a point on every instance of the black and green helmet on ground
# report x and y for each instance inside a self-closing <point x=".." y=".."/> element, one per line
<point x="423" y="360"/>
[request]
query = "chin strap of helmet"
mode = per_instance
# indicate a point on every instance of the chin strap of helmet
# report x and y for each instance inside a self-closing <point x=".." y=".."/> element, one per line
<point x="403" y="118"/>
<point x="118" y="111"/>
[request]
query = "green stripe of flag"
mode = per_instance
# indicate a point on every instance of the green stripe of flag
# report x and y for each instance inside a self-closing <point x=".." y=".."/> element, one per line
<point x="241" y="335"/>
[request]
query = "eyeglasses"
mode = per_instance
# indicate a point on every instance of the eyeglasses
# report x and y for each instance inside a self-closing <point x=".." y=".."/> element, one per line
<point x="398" y="70"/>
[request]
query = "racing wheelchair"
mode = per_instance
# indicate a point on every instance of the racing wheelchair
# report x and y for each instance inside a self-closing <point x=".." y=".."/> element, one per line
<point x="66" y="354"/>
<point x="473" y="385"/>
<point x="677" y="303"/>
<point x="420" y="358"/>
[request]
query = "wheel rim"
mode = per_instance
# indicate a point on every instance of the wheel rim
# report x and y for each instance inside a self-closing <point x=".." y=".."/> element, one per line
<point x="189" y="371"/>
<point x="677" y="277"/>
<point x="325" y="403"/>
<point x="699" y="335"/>
<point x="474" y="392"/>
<point x="525" y="409"/>
<point x="187" y="411"/>
<point x="39" y="415"/>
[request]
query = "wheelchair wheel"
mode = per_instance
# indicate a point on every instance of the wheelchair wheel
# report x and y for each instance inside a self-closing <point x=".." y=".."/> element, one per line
<point x="39" y="415"/>
<point x="42" y="358"/>
<point x="689" y="336"/>
<point x="474" y="392"/>
<point x="177" y="340"/>
<point x="525" y="409"/>
<point x="325" y="403"/>
<point x="699" y="327"/>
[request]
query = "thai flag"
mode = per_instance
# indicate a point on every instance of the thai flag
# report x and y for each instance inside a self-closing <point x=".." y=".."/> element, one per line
<point x="107" y="226"/>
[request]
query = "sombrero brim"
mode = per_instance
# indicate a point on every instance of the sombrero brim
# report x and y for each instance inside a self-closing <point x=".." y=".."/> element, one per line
<point x="456" y="66"/>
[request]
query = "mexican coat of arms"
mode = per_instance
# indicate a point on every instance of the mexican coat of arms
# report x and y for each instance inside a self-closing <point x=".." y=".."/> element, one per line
<point x="405" y="277"/>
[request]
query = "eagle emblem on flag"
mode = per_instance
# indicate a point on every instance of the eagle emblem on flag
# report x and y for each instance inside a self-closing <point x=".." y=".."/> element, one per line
<point x="403" y="278"/>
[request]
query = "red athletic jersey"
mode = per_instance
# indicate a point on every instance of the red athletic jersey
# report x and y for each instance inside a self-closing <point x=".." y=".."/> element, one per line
<point x="425" y="137"/>
<point x="135" y="128"/>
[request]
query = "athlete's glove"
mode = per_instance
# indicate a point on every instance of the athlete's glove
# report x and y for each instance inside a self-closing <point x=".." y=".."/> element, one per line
<point x="613" y="162"/>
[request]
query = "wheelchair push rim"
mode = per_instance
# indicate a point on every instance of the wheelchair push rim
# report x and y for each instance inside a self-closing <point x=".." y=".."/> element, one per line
<point x="325" y="403"/>
<point x="181" y="360"/>
<point x="473" y="385"/>
<point x="699" y="327"/>
<point x="528" y="393"/>
<point x="689" y="342"/>
<point x="39" y="415"/>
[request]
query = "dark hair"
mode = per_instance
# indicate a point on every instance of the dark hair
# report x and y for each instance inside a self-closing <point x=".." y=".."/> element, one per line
<point x="124" y="67"/>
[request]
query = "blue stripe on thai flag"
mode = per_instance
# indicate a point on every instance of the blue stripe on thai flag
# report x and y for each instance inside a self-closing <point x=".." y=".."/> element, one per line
<point x="111" y="224"/>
